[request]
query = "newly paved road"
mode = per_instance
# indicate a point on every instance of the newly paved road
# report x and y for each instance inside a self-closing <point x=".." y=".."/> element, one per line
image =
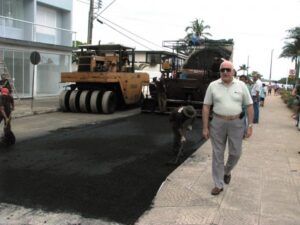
<point x="104" y="171"/>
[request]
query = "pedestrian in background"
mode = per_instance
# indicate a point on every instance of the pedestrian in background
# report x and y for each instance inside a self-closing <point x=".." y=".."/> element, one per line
<point x="269" y="89"/>
<point x="255" y="92"/>
<point x="263" y="95"/>
<point x="276" y="88"/>
<point x="245" y="79"/>
<point x="296" y="103"/>
<point x="161" y="88"/>
<point x="227" y="96"/>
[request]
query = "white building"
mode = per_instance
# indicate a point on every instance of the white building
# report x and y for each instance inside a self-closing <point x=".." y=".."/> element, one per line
<point x="151" y="61"/>
<point x="36" y="25"/>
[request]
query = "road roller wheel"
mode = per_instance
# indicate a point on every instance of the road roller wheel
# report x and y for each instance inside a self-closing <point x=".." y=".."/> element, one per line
<point x="74" y="101"/>
<point x="84" y="101"/>
<point x="64" y="100"/>
<point x="109" y="102"/>
<point x="95" y="102"/>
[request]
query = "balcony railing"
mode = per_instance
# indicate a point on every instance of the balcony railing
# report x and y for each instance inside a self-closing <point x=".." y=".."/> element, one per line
<point x="28" y="31"/>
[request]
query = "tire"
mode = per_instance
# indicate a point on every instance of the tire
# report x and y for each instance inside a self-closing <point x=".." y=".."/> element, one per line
<point x="95" y="102"/>
<point x="64" y="99"/>
<point x="74" y="101"/>
<point x="109" y="102"/>
<point x="84" y="101"/>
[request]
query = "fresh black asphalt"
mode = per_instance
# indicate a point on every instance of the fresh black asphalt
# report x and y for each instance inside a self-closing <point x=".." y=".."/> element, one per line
<point x="110" y="170"/>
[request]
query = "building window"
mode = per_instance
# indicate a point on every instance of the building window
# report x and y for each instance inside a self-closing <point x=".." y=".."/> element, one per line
<point x="12" y="8"/>
<point x="46" y="28"/>
<point x="153" y="58"/>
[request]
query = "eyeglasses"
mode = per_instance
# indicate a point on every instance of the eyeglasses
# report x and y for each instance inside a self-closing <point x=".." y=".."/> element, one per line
<point x="224" y="70"/>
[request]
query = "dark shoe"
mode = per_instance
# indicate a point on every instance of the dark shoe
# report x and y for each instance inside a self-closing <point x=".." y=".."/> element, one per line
<point x="227" y="179"/>
<point x="216" y="191"/>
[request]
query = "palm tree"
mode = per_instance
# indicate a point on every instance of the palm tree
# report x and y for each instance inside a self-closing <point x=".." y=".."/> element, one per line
<point x="243" y="68"/>
<point x="141" y="66"/>
<point x="291" y="48"/>
<point x="197" y="30"/>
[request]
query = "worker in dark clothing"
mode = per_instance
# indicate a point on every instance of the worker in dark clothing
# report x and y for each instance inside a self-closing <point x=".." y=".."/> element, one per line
<point x="166" y="67"/>
<point x="4" y="82"/>
<point x="2" y="111"/>
<point x="182" y="120"/>
<point x="124" y="59"/>
<point x="7" y="102"/>
<point x="161" y="93"/>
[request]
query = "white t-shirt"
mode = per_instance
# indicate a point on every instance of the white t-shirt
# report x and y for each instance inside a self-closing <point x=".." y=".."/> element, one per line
<point x="227" y="100"/>
<point x="256" y="87"/>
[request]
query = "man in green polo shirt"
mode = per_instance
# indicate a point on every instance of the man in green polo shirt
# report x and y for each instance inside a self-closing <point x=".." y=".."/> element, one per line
<point x="227" y="95"/>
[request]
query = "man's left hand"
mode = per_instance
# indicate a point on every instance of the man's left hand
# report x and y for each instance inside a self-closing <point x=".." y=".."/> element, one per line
<point x="249" y="132"/>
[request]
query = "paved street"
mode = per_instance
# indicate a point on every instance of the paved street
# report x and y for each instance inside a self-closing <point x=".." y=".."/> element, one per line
<point x="102" y="167"/>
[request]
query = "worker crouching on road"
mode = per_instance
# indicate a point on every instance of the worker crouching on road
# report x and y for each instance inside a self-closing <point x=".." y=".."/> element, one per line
<point x="182" y="120"/>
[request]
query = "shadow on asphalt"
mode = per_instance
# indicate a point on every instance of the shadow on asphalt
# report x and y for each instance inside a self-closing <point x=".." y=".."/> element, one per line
<point x="109" y="170"/>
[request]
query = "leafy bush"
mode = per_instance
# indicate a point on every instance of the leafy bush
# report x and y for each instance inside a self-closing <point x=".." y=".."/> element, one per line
<point x="287" y="97"/>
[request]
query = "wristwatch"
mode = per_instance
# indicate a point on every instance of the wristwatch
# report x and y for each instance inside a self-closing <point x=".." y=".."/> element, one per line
<point x="250" y="125"/>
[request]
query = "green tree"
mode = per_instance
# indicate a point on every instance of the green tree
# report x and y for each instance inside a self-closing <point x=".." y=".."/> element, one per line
<point x="197" y="29"/>
<point x="74" y="53"/>
<point x="290" y="80"/>
<point x="141" y="66"/>
<point x="77" y="43"/>
<point x="255" y="73"/>
<point x="291" y="48"/>
<point x="243" y="68"/>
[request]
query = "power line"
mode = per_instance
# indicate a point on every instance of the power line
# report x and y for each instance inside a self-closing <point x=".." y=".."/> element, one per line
<point x="106" y="7"/>
<point x="130" y="32"/>
<point x="126" y="36"/>
<point x="98" y="14"/>
<point x="83" y="2"/>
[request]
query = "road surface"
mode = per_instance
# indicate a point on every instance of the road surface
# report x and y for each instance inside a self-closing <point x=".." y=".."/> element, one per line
<point x="107" y="170"/>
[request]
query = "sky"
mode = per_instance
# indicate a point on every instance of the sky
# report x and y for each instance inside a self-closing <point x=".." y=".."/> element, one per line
<point x="257" y="27"/>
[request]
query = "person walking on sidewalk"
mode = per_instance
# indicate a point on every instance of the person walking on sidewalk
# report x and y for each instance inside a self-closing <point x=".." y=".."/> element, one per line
<point x="255" y="92"/>
<point x="227" y="96"/>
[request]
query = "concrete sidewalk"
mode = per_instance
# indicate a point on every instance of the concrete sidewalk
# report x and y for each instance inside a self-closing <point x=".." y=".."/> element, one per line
<point x="27" y="107"/>
<point x="265" y="185"/>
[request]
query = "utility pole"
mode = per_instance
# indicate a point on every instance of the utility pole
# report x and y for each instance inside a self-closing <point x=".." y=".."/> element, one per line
<point x="90" y="22"/>
<point x="92" y="16"/>
<point x="270" y="77"/>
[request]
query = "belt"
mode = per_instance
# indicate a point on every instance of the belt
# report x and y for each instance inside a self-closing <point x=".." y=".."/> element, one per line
<point x="227" y="117"/>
